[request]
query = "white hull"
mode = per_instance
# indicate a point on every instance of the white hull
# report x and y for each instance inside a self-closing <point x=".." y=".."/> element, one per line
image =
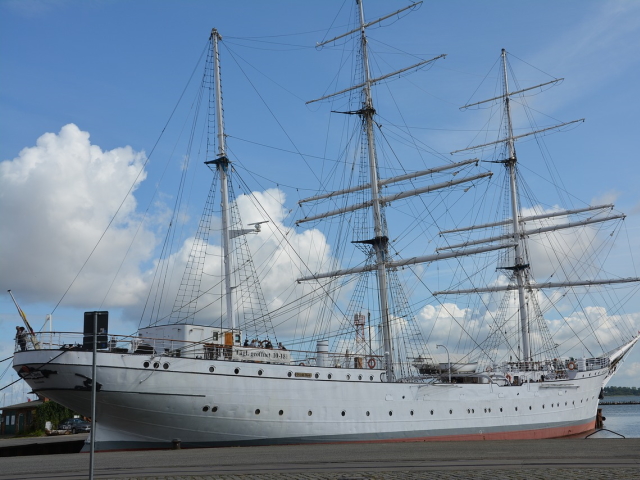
<point x="142" y="407"/>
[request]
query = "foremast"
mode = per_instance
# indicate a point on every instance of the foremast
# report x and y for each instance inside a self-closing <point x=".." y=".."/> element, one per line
<point x="222" y="164"/>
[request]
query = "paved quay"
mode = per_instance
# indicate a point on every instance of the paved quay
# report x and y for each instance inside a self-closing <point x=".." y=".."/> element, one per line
<point x="524" y="459"/>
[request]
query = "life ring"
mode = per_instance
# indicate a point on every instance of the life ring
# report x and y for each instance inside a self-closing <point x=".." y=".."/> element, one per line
<point x="488" y="369"/>
<point x="508" y="377"/>
<point x="572" y="365"/>
<point x="371" y="362"/>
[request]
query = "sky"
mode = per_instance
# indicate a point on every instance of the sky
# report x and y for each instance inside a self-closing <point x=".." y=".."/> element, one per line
<point x="86" y="88"/>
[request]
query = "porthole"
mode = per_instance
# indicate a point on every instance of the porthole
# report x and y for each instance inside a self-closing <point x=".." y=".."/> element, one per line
<point x="371" y="377"/>
<point x="473" y="411"/>
<point x="343" y="413"/>
<point x="411" y="412"/>
<point x="501" y="409"/>
<point x="390" y="412"/>
<point x="468" y="410"/>
<point x="368" y="414"/>
<point x="450" y="412"/>
<point x="431" y="412"/>
<point x="260" y="372"/>
<point x="543" y="405"/>
<point x="212" y="369"/>
<point x="348" y="376"/>
<point x="214" y="409"/>
<point x="516" y="409"/>
<point x="257" y="411"/>
<point x="529" y="407"/>
<point x="485" y="410"/>
<point x="146" y="364"/>
<point x="317" y="375"/>
<point x="289" y="374"/>
<point x="558" y="404"/>
<point x="281" y="412"/>
<point x="205" y="408"/>
<point x="359" y="377"/>
<point x="156" y="364"/>
<point x="165" y="366"/>
<point x="329" y="376"/>
<point x="489" y="410"/>
<point x="236" y="371"/>
<point x="565" y="404"/>
<point x="309" y="413"/>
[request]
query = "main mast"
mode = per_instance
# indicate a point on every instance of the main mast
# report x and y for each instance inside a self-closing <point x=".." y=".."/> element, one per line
<point x="380" y="240"/>
<point x="519" y="267"/>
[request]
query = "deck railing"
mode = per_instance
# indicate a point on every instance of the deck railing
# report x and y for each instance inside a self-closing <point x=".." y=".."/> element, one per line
<point x="206" y="350"/>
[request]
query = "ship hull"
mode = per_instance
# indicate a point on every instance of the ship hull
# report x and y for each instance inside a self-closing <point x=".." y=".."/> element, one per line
<point x="139" y="406"/>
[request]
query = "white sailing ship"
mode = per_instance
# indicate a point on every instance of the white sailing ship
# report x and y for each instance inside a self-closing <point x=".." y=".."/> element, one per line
<point x="366" y="373"/>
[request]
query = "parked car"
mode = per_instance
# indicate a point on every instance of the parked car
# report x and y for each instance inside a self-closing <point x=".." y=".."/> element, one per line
<point x="75" y="425"/>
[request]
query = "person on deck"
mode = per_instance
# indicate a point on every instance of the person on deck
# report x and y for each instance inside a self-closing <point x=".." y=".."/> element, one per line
<point x="21" y="338"/>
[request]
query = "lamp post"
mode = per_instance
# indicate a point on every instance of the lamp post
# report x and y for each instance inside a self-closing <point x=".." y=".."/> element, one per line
<point x="448" y="360"/>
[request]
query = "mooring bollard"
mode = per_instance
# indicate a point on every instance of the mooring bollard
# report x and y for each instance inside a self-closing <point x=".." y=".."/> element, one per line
<point x="599" y="419"/>
<point x="176" y="443"/>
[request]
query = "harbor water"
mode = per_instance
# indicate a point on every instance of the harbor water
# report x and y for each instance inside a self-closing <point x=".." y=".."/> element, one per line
<point x="622" y="419"/>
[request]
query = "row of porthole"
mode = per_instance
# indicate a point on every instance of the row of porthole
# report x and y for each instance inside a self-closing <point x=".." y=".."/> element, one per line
<point x="212" y="369"/>
<point x="367" y="413"/>
<point x="471" y="410"/>
<point x="330" y="376"/>
<point x="156" y="365"/>
<point x="290" y="374"/>
<point x="214" y="409"/>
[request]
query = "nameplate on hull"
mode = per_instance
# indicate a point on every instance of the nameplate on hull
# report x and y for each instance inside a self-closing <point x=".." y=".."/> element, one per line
<point x="260" y="355"/>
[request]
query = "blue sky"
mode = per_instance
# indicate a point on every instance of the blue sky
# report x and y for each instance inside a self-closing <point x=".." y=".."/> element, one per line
<point x="115" y="70"/>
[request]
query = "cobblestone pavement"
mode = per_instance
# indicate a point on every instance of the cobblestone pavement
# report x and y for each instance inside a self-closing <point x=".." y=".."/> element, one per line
<point x="481" y="474"/>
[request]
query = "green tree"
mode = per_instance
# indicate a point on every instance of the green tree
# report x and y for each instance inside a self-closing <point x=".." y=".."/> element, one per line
<point x="51" y="412"/>
<point x="613" y="391"/>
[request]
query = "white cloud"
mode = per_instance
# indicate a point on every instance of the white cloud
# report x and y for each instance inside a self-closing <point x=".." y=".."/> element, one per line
<point x="56" y="200"/>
